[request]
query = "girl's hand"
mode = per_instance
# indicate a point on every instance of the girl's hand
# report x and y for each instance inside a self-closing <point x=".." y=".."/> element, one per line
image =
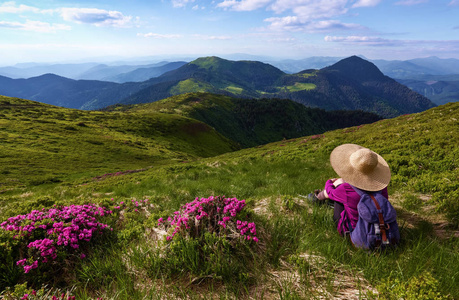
<point x="337" y="181"/>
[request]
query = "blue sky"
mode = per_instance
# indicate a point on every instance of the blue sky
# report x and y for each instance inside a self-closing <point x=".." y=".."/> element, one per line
<point x="56" y="31"/>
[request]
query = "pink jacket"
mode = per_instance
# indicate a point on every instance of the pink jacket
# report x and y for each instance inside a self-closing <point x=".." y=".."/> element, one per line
<point x="345" y="194"/>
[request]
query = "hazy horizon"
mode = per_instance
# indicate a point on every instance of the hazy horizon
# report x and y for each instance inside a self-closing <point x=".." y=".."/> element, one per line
<point x="145" y="60"/>
<point x="55" y="31"/>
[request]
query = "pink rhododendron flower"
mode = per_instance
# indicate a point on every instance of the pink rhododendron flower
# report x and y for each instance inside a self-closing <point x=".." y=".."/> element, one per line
<point x="63" y="227"/>
<point x="203" y="212"/>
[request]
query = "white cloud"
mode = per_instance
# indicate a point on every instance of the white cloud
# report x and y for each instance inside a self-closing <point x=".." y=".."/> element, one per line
<point x="313" y="15"/>
<point x="34" y="26"/>
<point x="434" y="45"/>
<point x="454" y="2"/>
<point x="292" y="23"/>
<point x="366" y="3"/>
<point x="282" y="40"/>
<point x="97" y="17"/>
<point x="311" y="9"/>
<point x="11" y="8"/>
<point x="410" y="2"/>
<point x="302" y="15"/>
<point x="327" y="25"/>
<point x="181" y="3"/>
<point x="244" y="5"/>
<point x="212" y="37"/>
<point x="159" y="36"/>
<point x="367" y="40"/>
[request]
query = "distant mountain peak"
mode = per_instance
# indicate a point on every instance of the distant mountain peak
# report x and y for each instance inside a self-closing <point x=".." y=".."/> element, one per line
<point x="211" y="61"/>
<point x="50" y="77"/>
<point x="358" y="69"/>
<point x="208" y="58"/>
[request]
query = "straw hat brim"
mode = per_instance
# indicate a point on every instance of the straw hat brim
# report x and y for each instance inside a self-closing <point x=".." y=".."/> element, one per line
<point x="372" y="180"/>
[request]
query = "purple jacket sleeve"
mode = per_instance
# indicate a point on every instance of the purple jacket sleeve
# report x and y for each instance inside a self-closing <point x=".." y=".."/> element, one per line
<point x="336" y="193"/>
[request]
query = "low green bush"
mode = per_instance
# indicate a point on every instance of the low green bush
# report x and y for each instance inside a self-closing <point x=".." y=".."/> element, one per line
<point x="422" y="287"/>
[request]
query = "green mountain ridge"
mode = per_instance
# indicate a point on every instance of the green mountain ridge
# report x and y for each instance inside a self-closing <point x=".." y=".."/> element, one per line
<point x="351" y="84"/>
<point x="252" y="122"/>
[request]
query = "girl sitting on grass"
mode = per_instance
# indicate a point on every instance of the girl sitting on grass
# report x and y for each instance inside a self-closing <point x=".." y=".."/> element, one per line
<point x="358" y="167"/>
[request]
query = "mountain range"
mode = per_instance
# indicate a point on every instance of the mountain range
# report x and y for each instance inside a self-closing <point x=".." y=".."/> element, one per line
<point x="418" y="74"/>
<point x="441" y="89"/>
<point x="397" y="69"/>
<point x="127" y="73"/>
<point x="414" y="68"/>
<point x="350" y="84"/>
<point x="92" y="71"/>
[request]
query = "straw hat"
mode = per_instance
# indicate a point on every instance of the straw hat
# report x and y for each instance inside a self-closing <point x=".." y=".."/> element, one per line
<point x="360" y="167"/>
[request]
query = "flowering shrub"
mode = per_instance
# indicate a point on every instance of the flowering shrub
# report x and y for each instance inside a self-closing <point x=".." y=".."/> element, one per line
<point x="213" y="215"/>
<point x="55" y="230"/>
<point x="206" y="238"/>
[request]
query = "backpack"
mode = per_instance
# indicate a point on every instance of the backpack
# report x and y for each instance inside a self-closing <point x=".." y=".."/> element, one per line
<point x="377" y="226"/>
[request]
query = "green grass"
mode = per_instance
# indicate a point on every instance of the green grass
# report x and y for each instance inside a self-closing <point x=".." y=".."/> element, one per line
<point x="299" y="86"/>
<point x="308" y="74"/>
<point x="300" y="254"/>
<point x="190" y="85"/>
<point x="234" y="89"/>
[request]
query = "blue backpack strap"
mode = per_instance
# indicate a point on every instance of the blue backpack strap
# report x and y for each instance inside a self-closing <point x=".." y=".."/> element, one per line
<point x="360" y="192"/>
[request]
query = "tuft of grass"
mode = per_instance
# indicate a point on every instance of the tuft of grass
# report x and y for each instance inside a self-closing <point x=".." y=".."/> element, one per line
<point x="301" y="86"/>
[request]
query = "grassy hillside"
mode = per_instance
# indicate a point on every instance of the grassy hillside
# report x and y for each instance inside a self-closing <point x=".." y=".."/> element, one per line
<point x="44" y="144"/>
<point x="252" y="122"/>
<point x="299" y="254"/>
